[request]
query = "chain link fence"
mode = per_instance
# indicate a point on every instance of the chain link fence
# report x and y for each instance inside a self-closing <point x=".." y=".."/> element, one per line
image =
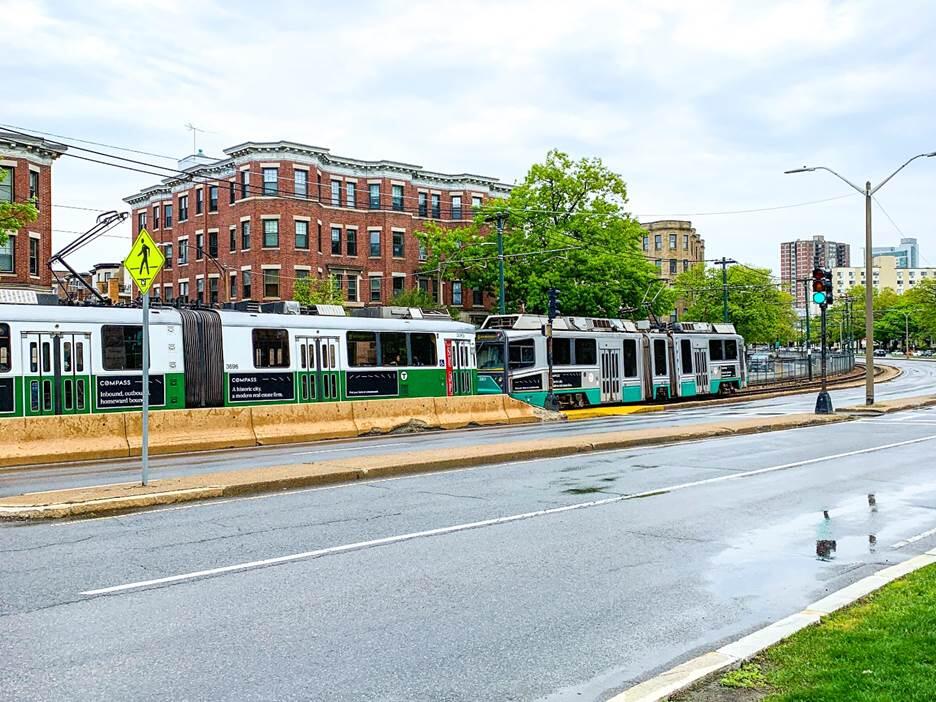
<point x="765" y="368"/>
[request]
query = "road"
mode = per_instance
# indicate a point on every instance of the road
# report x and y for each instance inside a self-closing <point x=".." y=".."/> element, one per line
<point x="553" y="580"/>
<point x="917" y="379"/>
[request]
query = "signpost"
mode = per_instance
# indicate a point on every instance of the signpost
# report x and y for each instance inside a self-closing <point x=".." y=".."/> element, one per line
<point x="143" y="263"/>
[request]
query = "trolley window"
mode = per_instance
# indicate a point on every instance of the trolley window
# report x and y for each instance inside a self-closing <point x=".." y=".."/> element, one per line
<point x="5" y="346"/>
<point x="122" y="347"/>
<point x="562" y="352"/>
<point x="362" y="349"/>
<point x="490" y="354"/>
<point x="79" y="360"/>
<point x="522" y="353"/>
<point x="685" y="350"/>
<point x="630" y="358"/>
<point x="393" y="349"/>
<point x="270" y="348"/>
<point x="731" y="350"/>
<point x="716" y="350"/>
<point x="423" y="347"/>
<point x="659" y="357"/>
<point x="586" y="352"/>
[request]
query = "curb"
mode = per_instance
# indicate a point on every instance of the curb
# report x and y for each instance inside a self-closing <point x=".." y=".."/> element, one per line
<point x="612" y="411"/>
<point x="732" y="655"/>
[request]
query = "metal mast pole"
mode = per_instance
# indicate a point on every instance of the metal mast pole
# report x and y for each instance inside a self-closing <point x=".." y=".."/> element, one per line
<point x="869" y="301"/>
<point x="502" y="297"/>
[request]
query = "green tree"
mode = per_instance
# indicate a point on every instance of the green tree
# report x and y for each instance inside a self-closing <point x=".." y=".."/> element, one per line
<point x="317" y="291"/>
<point x="759" y="310"/>
<point x="14" y="215"/>
<point x="566" y="227"/>
<point x="414" y="297"/>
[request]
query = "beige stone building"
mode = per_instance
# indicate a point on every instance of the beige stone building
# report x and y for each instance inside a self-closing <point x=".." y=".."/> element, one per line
<point x="885" y="274"/>
<point x="673" y="245"/>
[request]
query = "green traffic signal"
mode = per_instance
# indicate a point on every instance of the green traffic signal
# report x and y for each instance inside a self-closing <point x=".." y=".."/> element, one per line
<point x="819" y="298"/>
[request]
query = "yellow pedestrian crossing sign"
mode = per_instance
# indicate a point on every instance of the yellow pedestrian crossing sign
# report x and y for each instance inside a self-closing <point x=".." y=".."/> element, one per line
<point x="144" y="261"/>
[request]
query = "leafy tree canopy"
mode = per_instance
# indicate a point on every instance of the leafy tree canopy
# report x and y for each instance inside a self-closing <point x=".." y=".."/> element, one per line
<point x="414" y="297"/>
<point x="760" y="311"/>
<point x="317" y="291"/>
<point x="14" y="215"/>
<point x="566" y="227"/>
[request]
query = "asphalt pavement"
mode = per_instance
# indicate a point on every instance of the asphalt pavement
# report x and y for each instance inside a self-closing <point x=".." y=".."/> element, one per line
<point x="918" y="378"/>
<point x="562" y="579"/>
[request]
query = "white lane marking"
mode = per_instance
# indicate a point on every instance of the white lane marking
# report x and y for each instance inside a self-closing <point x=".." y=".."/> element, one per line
<point x="914" y="539"/>
<point x="486" y="522"/>
<point x="350" y="448"/>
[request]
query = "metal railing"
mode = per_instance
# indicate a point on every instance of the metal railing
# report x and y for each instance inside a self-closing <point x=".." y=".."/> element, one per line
<point x="787" y="367"/>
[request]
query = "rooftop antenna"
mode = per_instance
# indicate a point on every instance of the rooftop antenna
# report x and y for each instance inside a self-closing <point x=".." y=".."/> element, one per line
<point x="194" y="130"/>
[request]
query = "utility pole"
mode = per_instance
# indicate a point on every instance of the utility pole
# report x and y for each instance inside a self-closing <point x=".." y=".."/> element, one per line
<point x="868" y="192"/>
<point x="808" y="347"/>
<point x="502" y="293"/>
<point x="724" y="262"/>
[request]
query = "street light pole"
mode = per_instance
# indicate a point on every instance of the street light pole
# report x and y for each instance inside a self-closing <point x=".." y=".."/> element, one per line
<point x="502" y="297"/>
<point x="724" y="277"/>
<point x="868" y="193"/>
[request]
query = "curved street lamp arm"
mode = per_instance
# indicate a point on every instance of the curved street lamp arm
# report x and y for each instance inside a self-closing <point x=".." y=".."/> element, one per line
<point x="841" y="177"/>
<point x="908" y="162"/>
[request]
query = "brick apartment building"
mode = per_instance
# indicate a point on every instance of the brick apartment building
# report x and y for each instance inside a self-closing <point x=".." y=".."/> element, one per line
<point x="798" y="258"/>
<point x="27" y="165"/>
<point x="246" y="226"/>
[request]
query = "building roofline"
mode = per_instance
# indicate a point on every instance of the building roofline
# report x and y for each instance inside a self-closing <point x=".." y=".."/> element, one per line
<point x="29" y="141"/>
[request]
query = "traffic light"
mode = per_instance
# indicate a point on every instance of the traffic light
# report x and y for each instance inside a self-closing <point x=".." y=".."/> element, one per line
<point x="820" y="295"/>
<point x="827" y="283"/>
<point x="553" y="303"/>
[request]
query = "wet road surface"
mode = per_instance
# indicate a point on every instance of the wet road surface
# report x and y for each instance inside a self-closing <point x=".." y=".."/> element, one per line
<point x="554" y="579"/>
<point x="918" y="378"/>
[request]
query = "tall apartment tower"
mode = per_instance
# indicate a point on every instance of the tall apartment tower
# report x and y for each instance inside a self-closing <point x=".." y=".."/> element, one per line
<point x="798" y="258"/>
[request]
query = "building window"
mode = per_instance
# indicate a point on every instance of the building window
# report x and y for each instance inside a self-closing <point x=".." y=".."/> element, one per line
<point x="199" y="201"/>
<point x="6" y="183"/>
<point x="336" y="193"/>
<point x="245" y="235"/>
<point x="685" y="265"/>
<point x="373" y="197"/>
<point x="8" y="255"/>
<point x="167" y="216"/>
<point x="232" y="193"/>
<point x="477" y="298"/>
<point x="657" y="241"/>
<point x="397" y="198"/>
<point x="271" y="278"/>
<point x="271" y="348"/>
<point x="271" y="233"/>
<point x="301" y="183"/>
<point x="302" y="234"/>
<point x="475" y="204"/>
<point x="672" y="265"/>
<point x="213" y="198"/>
<point x="213" y="290"/>
<point x="352" y="242"/>
<point x="141" y="221"/>
<point x="232" y="240"/>
<point x="301" y="273"/>
<point x="183" y="206"/>
<point x="646" y="243"/>
<point x="456" y="207"/>
<point x="213" y="244"/>
<point x="457" y="293"/>
<point x="398" y="283"/>
<point x="336" y="241"/>
<point x="156" y="217"/>
<point x="375" y="243"/>
<point x="397" y="244"/>
<point x="271" y="182"/>
<point x="423" y="253"/>
<point x="233" y="287"/>
<point x="200" y="289"/>
<point x="34" y="187"/>
<point x="122" y="347"/>
<point x="350" y="195"/>
<point x="423" y="211"/>
<point x="167" y="249"/>
<point x="685" y="241"/>
<point x="245" y="284"/>
<point x="245" y="183"/>
<point x="375" y="289"/>
<point x="672" y="241"/>
<point x="352" y="287"/>
<point x="199" y="246"/>
<point x="436" y="206"/>
<point x="183" y="251"/>
<point x="183" y="290"/>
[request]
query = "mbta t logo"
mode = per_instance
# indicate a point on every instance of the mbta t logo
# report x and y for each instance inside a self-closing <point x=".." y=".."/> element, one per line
<point x="822" y="286"/>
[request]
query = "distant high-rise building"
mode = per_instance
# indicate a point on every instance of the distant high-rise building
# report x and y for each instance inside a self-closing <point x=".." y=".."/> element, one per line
<point x="798" y="258"/>
<point x="907" y="254"/>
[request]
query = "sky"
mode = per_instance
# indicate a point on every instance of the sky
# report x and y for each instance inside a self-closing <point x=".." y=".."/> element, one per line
<point x="699" y="106"/>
